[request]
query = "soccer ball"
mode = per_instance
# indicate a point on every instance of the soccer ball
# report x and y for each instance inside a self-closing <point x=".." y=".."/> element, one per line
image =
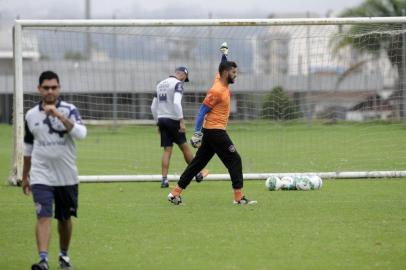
<point x="272" y="182"/>
<point x="288" y="183"/>
<point x="315" y="182"/>
<point x="303" y="183"/>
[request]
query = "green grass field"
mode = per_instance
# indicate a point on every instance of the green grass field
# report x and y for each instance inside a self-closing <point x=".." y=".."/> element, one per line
<point x="264" y="147"/>
<point x="348" y="224"/>
<point x="5" y="151"/>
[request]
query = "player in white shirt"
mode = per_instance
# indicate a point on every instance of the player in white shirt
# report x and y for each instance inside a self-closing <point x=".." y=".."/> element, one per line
<point x="167" y="111"/>
<point x="50" y="171"/>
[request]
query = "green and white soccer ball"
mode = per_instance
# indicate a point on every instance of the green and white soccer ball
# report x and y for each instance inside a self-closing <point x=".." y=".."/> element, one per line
<point x="288" y="183"/>
<point x="303" y="183"/>
<point x="315" y="182"/>
<point x="272" y="182"/>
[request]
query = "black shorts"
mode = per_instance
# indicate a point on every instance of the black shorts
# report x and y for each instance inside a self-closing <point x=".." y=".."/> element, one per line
<point x="65" y="198"/>
<point x="169" y="130"/>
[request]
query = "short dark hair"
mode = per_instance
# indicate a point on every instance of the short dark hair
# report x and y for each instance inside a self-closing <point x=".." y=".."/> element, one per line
<point x="227" y="65"/>
<point x="48" y="75"/>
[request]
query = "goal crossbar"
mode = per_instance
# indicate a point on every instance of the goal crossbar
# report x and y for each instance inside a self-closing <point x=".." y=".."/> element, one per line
<point x="209" y="22"/>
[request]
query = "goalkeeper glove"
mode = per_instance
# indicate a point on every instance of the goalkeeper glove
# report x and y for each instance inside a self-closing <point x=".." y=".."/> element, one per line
<point x="224" y="48"/>
<point x="196" y="140"/>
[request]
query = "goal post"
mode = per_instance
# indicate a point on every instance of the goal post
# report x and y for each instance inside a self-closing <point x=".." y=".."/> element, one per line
<point x="318" y="96"/>
<point x="18" y="107"/>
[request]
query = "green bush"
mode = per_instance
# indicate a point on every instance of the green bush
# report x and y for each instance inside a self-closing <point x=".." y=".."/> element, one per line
<point x="279" y="106"/>
<point x="73" y="55"/>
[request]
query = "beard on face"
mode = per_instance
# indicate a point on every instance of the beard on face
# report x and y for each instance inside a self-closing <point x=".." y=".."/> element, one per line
<point x="230" y="80"/>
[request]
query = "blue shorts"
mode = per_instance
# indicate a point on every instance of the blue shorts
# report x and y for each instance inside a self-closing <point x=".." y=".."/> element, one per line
<point x="169" y="130"/>
<point x="65" y="198"/>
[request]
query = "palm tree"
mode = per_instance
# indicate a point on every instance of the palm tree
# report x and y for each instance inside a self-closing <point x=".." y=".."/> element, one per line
<point x="386" y="37"/>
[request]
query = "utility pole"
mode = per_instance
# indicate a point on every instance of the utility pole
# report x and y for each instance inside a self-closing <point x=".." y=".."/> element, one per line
<point x="88" y="45"/>
<point x="210" y="40"/>
<point x="114" y="63"/>
<point x="307" y="107"/>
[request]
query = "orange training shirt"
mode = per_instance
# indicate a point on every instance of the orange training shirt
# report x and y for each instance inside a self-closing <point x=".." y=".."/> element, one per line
<point x="218" y="100"/>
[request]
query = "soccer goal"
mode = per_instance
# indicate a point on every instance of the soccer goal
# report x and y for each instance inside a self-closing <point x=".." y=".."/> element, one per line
<point x="319" y="96"/>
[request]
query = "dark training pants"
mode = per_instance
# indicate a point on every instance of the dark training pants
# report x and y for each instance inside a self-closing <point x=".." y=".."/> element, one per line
<point x="215" y="141"/>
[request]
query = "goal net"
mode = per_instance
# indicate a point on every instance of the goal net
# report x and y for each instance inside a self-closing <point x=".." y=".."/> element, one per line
<point x="321" y="96"/>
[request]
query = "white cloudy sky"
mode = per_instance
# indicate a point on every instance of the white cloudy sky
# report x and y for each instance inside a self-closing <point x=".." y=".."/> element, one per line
<point x="164" y="9"/>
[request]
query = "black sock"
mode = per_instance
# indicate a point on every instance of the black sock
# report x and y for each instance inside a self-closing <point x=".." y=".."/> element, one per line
<point x="63" y="252"/>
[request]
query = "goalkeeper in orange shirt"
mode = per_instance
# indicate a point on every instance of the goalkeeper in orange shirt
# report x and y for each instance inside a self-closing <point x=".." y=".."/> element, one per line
<point x="213" y="138"/>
